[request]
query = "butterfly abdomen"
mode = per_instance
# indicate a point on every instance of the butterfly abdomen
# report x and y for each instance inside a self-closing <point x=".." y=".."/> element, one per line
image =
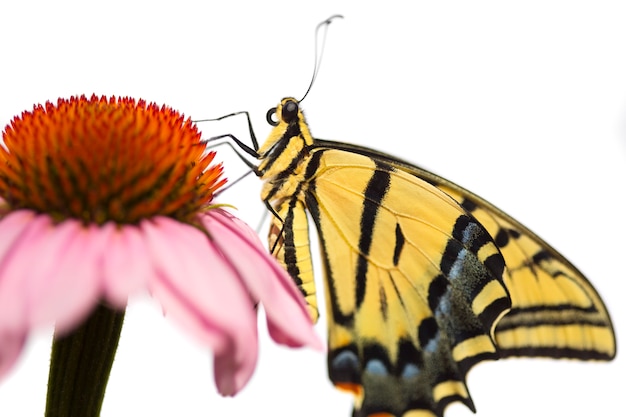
<point x="289" y="242"/>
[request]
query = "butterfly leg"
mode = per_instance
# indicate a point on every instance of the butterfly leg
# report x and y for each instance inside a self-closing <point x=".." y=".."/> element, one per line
<point x="247" y="149"/>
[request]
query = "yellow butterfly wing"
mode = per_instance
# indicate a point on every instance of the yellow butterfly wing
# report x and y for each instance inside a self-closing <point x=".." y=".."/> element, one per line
<point x="403" y="334"/>
<point x="555" y="311"/>
<point x="425" y="291"/>
<point x="423" y="278"/>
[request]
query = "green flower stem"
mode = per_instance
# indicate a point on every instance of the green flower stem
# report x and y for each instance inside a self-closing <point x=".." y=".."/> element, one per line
<point x="80" y="365"/>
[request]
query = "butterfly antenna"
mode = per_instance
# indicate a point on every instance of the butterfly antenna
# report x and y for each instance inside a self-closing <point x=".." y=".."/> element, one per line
<point x="318" y="56"/>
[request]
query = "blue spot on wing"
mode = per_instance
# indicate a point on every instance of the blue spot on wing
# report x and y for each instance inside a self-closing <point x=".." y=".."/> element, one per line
<point x="376" y="367"/>
<point x="410" y="370"/>
<point x="457" y="271"/>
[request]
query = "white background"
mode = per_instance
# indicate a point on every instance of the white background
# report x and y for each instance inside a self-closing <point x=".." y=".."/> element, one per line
<point x="523" y="104"/>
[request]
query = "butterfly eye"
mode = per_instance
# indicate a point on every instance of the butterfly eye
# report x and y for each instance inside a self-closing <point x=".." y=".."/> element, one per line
<point x="290" y="111"/>
<point x="271" y="117"/>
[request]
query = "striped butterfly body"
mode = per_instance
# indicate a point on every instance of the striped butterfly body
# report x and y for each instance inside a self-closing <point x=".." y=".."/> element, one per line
<point x="423" y="279"/>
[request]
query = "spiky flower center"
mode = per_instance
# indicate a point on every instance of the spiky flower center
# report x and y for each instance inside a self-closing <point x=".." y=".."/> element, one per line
<point x="106" y="159"/>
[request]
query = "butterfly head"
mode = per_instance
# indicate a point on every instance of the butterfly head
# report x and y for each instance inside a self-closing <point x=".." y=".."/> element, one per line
<point x="287" y="112"/>
<point x="289" y="125"/>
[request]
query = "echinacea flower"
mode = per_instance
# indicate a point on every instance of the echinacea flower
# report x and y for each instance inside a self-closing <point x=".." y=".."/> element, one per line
<point x="105" y="198"/>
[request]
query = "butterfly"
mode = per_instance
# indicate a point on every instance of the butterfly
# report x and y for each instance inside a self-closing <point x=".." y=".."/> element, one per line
<point x="423" y="278"/>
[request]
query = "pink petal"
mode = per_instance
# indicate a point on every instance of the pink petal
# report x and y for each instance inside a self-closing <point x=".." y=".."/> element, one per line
<point x="17" y="264"/>
<point x="127" y="267"/>
<point x="10" y="349"/>
<point x="13" y="228"/>
<point x="52" y="275"/>
<point x="231" y="377"/>
<point x="267" y="281"/>
<point x="76" y="288"/>
<point x="13" y="288"/>
<point x="199" y="289"/>
<point x="49" y="273"/>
